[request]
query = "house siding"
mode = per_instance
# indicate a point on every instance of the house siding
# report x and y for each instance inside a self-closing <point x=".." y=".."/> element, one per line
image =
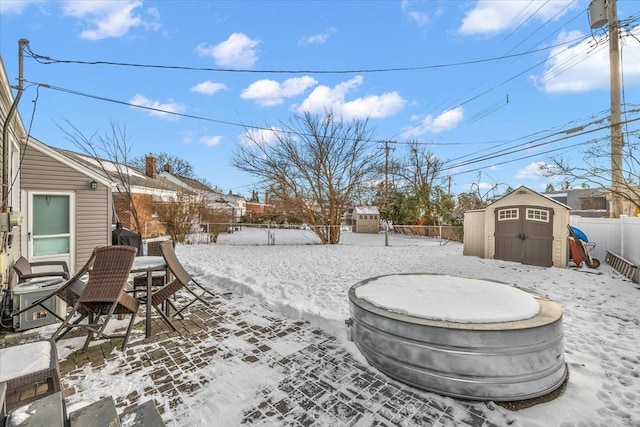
<point x="93" y="207"/>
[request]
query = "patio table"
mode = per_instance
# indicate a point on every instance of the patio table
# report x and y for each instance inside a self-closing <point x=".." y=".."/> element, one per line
<point x="148" y="264"/>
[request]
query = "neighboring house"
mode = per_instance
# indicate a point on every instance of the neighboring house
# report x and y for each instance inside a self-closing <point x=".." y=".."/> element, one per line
<point x="254" y="209"/>
<point x="588" y="202"/>
<point x="366" y="219"/>
<point x="522" y="226"/>
<point x="146" y="188"/>
<point x="591" y="202"/>
<point x="236" y="205"/>
<point x="239" y="205"/>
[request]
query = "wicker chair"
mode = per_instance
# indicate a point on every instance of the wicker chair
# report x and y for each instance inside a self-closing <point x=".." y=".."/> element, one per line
<point x="28" y="365"/>
<point x="24" y="269"/>
<point x="104" y="293"/>
<point x="69" y="292"/>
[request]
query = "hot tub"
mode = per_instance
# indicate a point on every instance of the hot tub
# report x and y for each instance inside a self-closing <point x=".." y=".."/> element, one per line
<point x="458" y="336"/>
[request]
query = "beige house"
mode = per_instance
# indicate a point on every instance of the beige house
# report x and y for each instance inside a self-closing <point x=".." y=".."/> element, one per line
<point x="523" y="226"/>
<point x="66" y="217"/>
<point x="366" y="219"/>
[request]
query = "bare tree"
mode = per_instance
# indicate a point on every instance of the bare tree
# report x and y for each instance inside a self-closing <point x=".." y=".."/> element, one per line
<point x="111" y="151"/>
<point x="179" y="215"/>
<point x="418" y="174"/>
<point x="314" y="166"/>
<point x="217" y="221"/>
<point x="595" y="171"/>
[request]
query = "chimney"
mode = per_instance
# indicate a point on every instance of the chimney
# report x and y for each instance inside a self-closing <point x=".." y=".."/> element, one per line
<point x="150" y="163"/>
<point x="167" y="168"/>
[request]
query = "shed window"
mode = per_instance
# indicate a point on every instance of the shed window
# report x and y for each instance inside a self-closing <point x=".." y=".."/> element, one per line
<point x="537" y="215"/>
<point x="507" y="214"/>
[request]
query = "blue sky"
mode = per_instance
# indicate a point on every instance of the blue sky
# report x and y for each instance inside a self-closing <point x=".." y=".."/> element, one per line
<point x="501" y="79"/>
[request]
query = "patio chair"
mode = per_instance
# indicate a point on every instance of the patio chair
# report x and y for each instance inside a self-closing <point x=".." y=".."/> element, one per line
<point x="24" y="269"/>
<point x="180" y="273"/>
<point x="181" y="279"/>
<point x="69" y="292"/>
<point x="159" y="278"/>
<point x="104" y="294"/>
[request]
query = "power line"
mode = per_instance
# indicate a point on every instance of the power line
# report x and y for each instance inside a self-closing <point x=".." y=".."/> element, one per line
<point x="47" y="60"/>
<point x="505" y="152"/>
<point x="527" y="147"/>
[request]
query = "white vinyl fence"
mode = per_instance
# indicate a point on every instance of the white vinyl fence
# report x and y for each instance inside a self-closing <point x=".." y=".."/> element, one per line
<point x="618" y="235"/>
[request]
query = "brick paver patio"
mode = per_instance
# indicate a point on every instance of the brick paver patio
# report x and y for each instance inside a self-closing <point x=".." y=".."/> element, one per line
<point x="319" y="382"/>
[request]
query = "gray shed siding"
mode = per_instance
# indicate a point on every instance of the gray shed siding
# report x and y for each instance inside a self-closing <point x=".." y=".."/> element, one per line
<point x="40" y="172"/>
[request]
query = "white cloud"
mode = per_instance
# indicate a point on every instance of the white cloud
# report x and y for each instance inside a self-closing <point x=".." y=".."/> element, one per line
<point x="324" y="98"/>
<point x="159" y="109"/>
<point x="208" y="87"/>
<point x="494" y="16"/>
<point x="579" y="68"/>
<point x="534" y="171"/>
<point x="430" y="124"/>
<point x="316" y="38"/>
<point x="17" y="6"/>
<point x="419" y="18"/>
<point x="259" y="136"/>
<point x="110" y="18"/>
<point x="211" y="140"/>
<point x="270" y="92"/>
<point x="237" y="51"/>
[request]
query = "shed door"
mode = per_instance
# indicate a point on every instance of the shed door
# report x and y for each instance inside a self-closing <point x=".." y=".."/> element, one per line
<point x="524" y="234"/>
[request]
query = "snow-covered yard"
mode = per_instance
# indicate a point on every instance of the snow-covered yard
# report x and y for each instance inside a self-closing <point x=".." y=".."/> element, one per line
<point x="305" y="280"/>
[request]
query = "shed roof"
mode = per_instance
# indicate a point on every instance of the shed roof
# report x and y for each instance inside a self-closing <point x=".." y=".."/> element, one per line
<point x="523" y="188"/>
<point x="367" y="210"/>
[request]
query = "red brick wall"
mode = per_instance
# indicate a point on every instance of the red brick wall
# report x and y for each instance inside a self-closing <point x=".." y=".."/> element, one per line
<point x="143" y="202"/>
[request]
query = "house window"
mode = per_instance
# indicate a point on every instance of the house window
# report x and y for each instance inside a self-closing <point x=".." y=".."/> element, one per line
<point x="507" y="214"/>
<point x="537" y="215"/>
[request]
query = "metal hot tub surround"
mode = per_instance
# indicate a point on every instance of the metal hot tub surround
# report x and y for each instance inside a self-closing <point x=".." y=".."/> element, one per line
<point x="506" y="361"/>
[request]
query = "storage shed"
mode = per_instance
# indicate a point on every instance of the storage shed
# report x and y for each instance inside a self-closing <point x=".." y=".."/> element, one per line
<point x="523" y="226"/>
<point x="366" y="219"/>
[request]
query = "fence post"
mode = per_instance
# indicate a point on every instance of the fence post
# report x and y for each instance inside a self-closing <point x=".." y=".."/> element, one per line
<point x="622" y="242"/>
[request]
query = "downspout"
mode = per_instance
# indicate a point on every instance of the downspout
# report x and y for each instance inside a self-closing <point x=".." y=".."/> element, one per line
<point x="5" y="130"/>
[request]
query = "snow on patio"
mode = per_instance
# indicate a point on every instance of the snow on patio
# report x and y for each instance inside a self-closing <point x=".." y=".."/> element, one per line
<point x="601" y="316"/>
<point x="302" y="280"/>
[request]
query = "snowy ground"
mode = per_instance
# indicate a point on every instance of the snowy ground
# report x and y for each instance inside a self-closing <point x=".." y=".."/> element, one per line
<point x="302" y="279"/>
<point x="305" y="280"/>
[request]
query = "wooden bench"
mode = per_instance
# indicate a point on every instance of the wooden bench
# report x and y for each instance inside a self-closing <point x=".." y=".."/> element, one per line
<point x="622" y="265"/>
<point x="25" y="368"/>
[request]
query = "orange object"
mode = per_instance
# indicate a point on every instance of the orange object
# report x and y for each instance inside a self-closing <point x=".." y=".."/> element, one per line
<point x="574" y="252"/>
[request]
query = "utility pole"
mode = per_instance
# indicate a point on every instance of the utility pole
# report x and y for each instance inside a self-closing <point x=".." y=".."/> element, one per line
<point x="616" y="128"/>
<point x="5" y="129"/>
<point x="386" y="191"/>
